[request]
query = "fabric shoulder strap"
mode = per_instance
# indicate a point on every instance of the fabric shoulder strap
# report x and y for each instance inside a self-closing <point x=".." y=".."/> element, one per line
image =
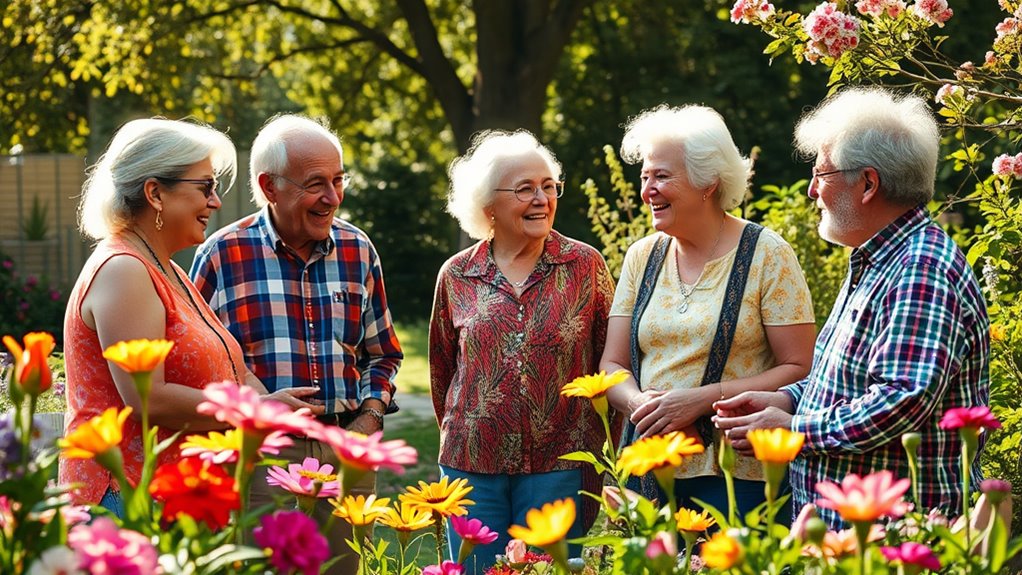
<point x="649" y="277"/>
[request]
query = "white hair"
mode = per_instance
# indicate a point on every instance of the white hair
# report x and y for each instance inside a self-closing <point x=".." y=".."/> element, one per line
<point x="896" y="135"/>
<point x="113" y="194"/>
<point x="700" y="135"/>
<point x="475" y="175"/>
<point x="269" y="150"/>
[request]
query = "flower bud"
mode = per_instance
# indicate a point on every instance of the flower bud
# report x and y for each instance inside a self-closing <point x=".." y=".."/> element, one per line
<point x="911" y="442"/>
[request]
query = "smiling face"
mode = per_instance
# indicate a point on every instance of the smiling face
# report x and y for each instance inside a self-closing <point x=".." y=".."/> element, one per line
<point x="303" y="218"/>
<point x="513" y="219"/>
<point x="185" y="207"/>
<point x="667" y="191"/>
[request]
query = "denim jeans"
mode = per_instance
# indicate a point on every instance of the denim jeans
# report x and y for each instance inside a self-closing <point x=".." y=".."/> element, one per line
<point x="113" y="501"/>
<point x="502" y="500"/>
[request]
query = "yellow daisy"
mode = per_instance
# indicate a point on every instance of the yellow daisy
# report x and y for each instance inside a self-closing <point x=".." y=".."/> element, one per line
<point x="593" y="385"/>
<point x="657" y="452"/>
<point x="693" y="521"/>
<point x="440" y="497"/>
<point x="405" y="517"/>
<point x="776" y="445"/>
<point x="360" y="510"/>
<point x="96" y="436"/>
<point x="546" y="526"/>
<point x="138" y="355"/>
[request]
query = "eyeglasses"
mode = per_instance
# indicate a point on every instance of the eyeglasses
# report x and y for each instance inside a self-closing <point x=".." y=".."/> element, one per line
<point x="526" y="192"/>
<point x="209" y="185"/>
<point x="832" y="172"/>
<point x="319" y="186"/>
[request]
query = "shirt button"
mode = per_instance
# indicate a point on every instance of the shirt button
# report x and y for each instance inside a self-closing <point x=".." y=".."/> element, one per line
<point x="519" y="363"/>
<point x="521" y="307"/>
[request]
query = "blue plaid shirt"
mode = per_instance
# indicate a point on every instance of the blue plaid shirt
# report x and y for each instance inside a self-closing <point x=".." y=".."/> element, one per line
<point x="320" y="323"/>
<point x="908" y="339"/>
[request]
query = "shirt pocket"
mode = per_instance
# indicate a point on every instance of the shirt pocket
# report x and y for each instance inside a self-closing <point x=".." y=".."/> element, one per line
<point x="347" y="307"/>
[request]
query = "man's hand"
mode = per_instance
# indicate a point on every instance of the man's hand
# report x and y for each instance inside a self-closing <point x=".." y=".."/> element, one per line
<point x="368" y="422"/>
<point x="297" y="398"/>
<point x="752" y="410"/>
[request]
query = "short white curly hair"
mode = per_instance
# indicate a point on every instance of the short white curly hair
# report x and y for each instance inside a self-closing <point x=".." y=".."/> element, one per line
<point x="700" y="135"/>
<point x="475" y="175"/>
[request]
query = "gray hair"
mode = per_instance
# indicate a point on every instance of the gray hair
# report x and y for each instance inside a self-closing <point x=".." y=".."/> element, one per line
<point x="113" y="194"/>
<point x="269" y="150"/>
<point x="700" y="135"/>
<point x="872" y="127"/>
<point x="475" y="175"/>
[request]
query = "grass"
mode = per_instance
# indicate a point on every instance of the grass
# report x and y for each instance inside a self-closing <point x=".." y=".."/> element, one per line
<point x="413" y="377"/>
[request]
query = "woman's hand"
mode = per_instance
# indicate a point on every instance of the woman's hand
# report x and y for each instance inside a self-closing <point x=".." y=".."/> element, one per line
<point x="297" y="398"/>
<point x="669" y="411"/>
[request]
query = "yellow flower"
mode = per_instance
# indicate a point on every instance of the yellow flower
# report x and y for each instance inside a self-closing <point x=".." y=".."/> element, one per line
<point x="593" y="385"/>
<point x="439" y="497"/>
<point x="693" y="521"/>
<point x="656" y="452"/>
<point x="722" y="551"/>
<point x="997" y="332"/>
<point x="361" y="510"/>
<point x="776" y="445"/>
<point x="546" y="526"/>
<point x="95" y="436"/>
<point x="405" y="517"/>
<point x="138" y="355"/>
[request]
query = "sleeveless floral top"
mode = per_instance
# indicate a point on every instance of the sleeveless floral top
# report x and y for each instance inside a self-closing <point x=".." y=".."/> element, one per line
<point x="198" y="358"/>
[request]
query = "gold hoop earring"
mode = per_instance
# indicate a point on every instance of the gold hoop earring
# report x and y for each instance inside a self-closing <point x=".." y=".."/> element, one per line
<point x="159" y="220"/>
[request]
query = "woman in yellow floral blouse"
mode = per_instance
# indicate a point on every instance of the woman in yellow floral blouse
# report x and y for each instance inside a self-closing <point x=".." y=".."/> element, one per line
<point x="692" y="173"/>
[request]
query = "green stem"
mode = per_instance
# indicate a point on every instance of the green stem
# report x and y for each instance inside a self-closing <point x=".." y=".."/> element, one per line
<point x="967" y="455"/>
<point x="242" y="477"/>
<point x="862" y="536"/>
<point x="27" y="417"/>
<point x="438" y="523"/>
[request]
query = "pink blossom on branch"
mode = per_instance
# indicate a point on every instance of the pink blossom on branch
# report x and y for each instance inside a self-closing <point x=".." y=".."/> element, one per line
<point x="748" y="11"/>
<point x="949" y="92"/>
<point x="831" y="32"/>
<point x="932" y="11"/>
<point x="877" y="8"/>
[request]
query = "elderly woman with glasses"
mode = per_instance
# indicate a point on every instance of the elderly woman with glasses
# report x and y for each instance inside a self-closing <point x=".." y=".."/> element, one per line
<point x="150" y="195"/>
<point x="515" y="317"/>
<point x="708" y="306"/>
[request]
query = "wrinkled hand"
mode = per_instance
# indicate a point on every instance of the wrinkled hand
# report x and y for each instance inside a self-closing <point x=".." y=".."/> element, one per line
<point x="365" y="424"/>
<point x="298" y="397"/>
<point x="752" y="410"/>
<point x="668" y="411"/>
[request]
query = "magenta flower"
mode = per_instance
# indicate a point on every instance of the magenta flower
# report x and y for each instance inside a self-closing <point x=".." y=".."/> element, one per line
<point x="302" y="479"/>
<point x="748" y="11"/>
<point x="996" y="490"/>
<point x="103" y="548"/>
<point x="243" y="408"/>
<point x="367" y="452"/>
<point x="912" y="554"/>
<point x="445" y="568"/>
<point x="831" y="32"/>
<point x="973" y="417"/>
<point x="473" y="531"/>
<point x="661" y="544"/>
<point x="294" y="541"/>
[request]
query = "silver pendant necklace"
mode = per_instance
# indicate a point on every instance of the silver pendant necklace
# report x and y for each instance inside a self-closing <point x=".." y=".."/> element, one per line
<point x="685" y="294"/>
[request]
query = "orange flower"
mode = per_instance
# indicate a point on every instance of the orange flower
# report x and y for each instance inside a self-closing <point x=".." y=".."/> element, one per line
<point x="997" y="332"/>
<point x="693" y="521"/>
<point x="31" y="371"/>
<point x="776" y="445"/>
<point x="197" y="488"/>
<point x="138" y="355"/>
<point x="657" y="452"/>
<point x="864" y="499"/>
<point x="722" y="551"/>
<point x="96" y="436"/>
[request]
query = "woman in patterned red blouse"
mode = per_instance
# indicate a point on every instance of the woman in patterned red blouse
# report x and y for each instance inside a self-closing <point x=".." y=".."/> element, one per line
<point x="515" y="317"/>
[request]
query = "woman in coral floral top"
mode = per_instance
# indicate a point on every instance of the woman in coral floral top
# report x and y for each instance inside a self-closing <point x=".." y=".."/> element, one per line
<point x="150" y="195"/>
<point x="515" y="317"/>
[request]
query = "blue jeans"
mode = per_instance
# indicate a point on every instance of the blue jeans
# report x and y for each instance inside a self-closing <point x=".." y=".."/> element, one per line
<point x="113" y="501"/>
<point x="502" y="500"/>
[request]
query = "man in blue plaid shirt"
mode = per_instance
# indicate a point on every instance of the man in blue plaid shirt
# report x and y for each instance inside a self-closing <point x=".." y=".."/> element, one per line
<point x="908" y="337"/>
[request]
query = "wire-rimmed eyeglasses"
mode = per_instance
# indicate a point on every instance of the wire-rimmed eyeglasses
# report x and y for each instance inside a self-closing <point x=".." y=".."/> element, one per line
<point x="318" y="186"/>
<point x="526" y="192"/>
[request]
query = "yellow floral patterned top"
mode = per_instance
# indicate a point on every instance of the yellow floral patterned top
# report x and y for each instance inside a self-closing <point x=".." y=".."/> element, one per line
<point x="675" y="346"/>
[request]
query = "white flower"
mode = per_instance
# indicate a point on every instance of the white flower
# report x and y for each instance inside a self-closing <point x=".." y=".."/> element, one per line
<point x="58" y="560"/>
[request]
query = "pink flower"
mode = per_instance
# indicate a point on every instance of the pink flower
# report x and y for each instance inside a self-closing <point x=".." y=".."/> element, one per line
<point x="103" y="548"/>
<point x="862" y="499"/>
<point x="367" y="452"/>
<point x="748" y="11"/>
<point x="516" y="550"/>
<point x="55" y="561"/>
<point x="445" y="568"/>
<point x="662" y="543"/>
<point x="302" y="479"/>
<point x="294" y="541"/>
<point x="932" y="11"/>
<point x="948" y="92"/>
<point x="1004" y="165"/>
<point x="1007" y="27"/>
<point x="877" y="8"/>
<point x="473" y="531"/>
<point x="912" y="553"/>
<point x="241" y="407"/>
<point x="220" y="448"/>
<point x="831" y="32"/>
<point x="974" y="417"/>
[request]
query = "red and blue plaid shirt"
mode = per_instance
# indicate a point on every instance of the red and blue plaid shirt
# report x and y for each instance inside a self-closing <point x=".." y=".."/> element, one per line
<point x="322" y="323"/>
<point x="908" y="339"/>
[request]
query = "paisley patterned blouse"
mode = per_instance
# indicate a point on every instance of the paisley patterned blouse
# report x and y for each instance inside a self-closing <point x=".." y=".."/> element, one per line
<point x="198" y="358"/>
<point x="497" y="360"/>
